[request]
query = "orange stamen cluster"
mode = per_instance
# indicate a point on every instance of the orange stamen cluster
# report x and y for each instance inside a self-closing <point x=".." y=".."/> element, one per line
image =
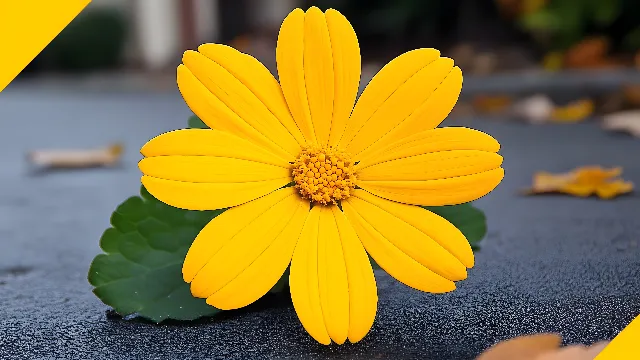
<point x="324" y="175"/>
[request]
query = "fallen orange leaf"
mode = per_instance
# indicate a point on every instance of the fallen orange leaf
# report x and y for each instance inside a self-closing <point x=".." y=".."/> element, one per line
<point x="540" y="347"/>
<point x="588" y="53"/>
<point x="582" y="182"/>
<point x="575" y="352"/>
<point x="527" y="347"/>
<point x="573" y="112"/>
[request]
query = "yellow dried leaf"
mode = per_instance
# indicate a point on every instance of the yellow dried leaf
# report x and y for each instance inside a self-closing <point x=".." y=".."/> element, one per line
<point x="522" y="348"/>
<point x="582" y="182"/>
<point x="573" y="112"/>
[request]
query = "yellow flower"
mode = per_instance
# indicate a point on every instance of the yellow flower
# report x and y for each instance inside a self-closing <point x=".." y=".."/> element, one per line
<point x="358" y="174"/>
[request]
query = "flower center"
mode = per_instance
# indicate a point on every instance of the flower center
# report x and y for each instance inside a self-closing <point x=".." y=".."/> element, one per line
<point x="324" y="175"/>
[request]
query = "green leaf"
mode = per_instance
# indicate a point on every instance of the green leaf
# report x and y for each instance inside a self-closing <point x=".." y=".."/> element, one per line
<point x="196" y="123"/>
<point x="141" y="270"/>
<point x="632" y="40"/>
<point x="604" y="13"/>
<point x="543" y="20"/>
<point x="470" y="220"/>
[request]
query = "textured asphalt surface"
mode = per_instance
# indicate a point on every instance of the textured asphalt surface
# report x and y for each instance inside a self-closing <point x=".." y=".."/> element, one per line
<point x="549" y="264"/>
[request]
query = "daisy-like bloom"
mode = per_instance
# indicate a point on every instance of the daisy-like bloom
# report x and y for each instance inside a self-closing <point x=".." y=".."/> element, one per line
<point x="358" y="174"/>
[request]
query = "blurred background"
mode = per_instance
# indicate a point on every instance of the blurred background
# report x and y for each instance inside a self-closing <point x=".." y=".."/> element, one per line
<point x="529" y="47"/>
<point x="485" y="36"/>
<point x="550" y="79"/>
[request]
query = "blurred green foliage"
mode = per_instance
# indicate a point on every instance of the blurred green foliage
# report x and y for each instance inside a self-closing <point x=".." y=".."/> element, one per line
<point x="94" y="40"/>
<point x="562" y="23"/>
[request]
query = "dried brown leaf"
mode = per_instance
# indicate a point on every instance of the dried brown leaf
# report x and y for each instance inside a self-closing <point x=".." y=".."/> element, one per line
<point x="587" y="51"/>
<point x="574" y="352"/>
<point x="541" y="347"/>
<point x="522" y="348"/>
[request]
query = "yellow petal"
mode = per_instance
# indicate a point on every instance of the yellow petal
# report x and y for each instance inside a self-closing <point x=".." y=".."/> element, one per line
<point x="383" y="85"/>
<point x="440" y="139"/>
<point x="200" y="169"/>
<point x="427" y="116"/>
<point x="404" y="101"/>
<point x="242" y="268"/>
<point x="448" y="191"/>
<point x="333" y="283"/>
<point x="432" y="166"/>
<point x="346" y="68"/>
<point x="259" y="80"/>
<point x="195" y="142"/>
<point x="398" y="94"/>
<point x="363" y="296"/>
<point x="392" y="259"/>
<point x="238" y="222"/>
<point x="434" y="226"/>
<point x="237" y="94"/>
<point x="289" y="58"/>
<point x="265" y="270"/>
<point x="427" y="257"/>
<point x="210" y="169"/>
<point x="318" y="73"/>
<point x="319" y="67"/>
<point x="208" y="196"/>
<point x="303" y="280"/>
<point x="219" y="111"/>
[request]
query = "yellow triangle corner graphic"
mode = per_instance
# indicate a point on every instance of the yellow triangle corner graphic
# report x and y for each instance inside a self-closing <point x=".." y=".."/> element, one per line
<point x="625" y="346"/>
<point x="27" y="27"/>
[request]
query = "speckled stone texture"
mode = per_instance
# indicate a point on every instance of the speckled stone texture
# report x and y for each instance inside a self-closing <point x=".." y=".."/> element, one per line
<point x="548" y="264"/>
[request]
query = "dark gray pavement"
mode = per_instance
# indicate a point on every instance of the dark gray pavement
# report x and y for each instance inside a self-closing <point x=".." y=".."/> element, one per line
<point x="548" y="264"/>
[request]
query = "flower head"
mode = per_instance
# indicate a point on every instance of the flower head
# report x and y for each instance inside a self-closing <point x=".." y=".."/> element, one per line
<point x="358" y="174"/>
